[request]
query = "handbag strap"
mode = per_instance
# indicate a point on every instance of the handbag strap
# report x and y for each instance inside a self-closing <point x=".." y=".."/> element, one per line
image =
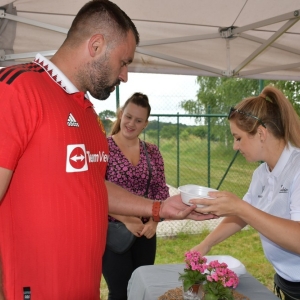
<point x="149" y="167"/>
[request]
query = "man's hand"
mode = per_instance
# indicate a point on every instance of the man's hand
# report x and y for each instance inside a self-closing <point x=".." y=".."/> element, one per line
<point x="174" y="209"/>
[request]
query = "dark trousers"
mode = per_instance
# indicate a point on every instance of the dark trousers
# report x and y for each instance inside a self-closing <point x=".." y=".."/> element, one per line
<point x="117" y="268"/>
<point x="290" y="290"/>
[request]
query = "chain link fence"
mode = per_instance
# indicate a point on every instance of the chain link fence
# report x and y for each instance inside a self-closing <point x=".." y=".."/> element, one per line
<point x="199" y="154"/>
<point x="197" y="149"/>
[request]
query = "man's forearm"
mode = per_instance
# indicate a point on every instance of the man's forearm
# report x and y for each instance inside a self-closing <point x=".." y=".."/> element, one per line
<point x="122" y="202"/>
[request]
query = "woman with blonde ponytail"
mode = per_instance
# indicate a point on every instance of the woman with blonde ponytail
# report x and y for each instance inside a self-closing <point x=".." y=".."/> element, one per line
<point x="265" y="128"/>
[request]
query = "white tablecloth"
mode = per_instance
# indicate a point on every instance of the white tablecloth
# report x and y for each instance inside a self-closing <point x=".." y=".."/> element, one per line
<point x="150" y="282"/>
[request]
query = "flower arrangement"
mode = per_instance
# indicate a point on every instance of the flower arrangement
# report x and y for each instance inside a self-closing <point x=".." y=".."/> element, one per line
<point x="218" y="281"/>
<point x="194" y="271"/>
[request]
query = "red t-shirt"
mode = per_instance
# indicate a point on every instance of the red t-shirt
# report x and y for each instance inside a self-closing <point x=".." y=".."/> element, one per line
<point x="53" y="218"/>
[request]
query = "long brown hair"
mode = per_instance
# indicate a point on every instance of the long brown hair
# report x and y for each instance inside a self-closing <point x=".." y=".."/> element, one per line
<point x="138" y="99"/>
<point x="272" y="109"/>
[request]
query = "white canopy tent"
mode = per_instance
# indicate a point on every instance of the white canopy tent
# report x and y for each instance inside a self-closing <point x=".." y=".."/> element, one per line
<point x="234" y="38"/>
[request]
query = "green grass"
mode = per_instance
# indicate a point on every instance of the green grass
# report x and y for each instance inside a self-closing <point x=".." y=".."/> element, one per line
<point x="190" y="162"/>
<point x="244" y="246"/>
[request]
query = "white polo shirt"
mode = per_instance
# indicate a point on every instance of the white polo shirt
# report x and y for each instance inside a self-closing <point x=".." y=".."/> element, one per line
<point x="278" y="193"/>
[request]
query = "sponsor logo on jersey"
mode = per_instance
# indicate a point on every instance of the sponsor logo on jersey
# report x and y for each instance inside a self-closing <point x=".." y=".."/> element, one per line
<point x="78" y="158"/>
<point x="71" y="122"/>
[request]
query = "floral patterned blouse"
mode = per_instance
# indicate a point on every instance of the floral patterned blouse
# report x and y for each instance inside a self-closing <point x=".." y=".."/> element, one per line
<point x="135" y="178"/>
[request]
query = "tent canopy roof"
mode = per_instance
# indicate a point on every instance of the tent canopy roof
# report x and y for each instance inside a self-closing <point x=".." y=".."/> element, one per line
<point x="234" y="38"/>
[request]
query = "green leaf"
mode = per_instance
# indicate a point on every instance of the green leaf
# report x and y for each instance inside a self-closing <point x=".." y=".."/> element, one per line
<point x="211" y="297"/>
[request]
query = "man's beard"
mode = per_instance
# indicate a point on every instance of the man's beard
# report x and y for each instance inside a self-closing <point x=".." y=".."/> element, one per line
<point x="99" y="78"/>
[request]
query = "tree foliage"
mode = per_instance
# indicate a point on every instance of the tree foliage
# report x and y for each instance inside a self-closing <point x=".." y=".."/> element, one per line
<point x="217" y="94"/>
<point x="291" y="90"/>
<point x="107" y="114"/>
<point x="220" y="93"/>
<point x="105" y="117"/>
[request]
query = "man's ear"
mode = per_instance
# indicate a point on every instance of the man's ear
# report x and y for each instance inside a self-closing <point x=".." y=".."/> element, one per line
<point x="96" y="45"/>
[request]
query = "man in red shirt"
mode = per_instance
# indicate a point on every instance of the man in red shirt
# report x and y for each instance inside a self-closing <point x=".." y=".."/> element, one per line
<point x="53" y="156"/>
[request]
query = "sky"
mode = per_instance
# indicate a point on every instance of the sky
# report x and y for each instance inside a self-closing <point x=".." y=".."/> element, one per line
<point x="165" y="92"/>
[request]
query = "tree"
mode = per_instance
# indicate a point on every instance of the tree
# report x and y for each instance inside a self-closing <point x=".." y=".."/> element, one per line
<point x="291" y="89"/>
<point x="220" y="93"/>
<point x="169" y="131"/>
<point x="106" y="118"/>
<point x="107" y="114"/>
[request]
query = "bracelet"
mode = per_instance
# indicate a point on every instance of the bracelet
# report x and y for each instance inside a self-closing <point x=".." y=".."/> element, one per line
<point x="155" y="211"/>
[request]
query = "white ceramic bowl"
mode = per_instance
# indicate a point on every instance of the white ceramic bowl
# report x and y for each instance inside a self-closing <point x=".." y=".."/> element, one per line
<point x="233" y="264"/>
<point x="192" y="191"/>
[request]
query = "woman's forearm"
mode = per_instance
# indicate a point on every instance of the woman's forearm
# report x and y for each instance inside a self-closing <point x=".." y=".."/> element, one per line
<point x="283" y="232"/>
<point x="228" y="227"/>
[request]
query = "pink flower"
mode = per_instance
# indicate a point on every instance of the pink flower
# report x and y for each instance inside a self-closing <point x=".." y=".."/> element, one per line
<point x="196" y="262"/>
<point x="219" y="279"/>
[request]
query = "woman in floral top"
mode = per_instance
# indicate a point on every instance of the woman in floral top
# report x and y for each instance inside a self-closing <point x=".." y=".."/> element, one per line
<point x="128" y="167"/>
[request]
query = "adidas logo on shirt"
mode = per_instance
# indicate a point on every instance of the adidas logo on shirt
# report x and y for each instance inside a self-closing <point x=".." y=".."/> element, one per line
<point x="71" y="121"/>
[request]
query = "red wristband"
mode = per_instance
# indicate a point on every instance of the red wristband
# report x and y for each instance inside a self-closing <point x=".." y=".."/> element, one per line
<point x="155" y="211"/>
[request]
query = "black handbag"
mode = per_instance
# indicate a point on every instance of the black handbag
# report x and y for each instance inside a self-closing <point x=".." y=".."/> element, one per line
<point x="119" y="239"/>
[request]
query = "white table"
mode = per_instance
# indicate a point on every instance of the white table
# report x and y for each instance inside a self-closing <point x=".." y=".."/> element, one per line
<point x="150" y="282"/>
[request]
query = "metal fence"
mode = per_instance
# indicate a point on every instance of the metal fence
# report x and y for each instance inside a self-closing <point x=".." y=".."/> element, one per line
<point x="199" y="157"/>
<point x="198" y="153"/>
<point x="204" y="157"/>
